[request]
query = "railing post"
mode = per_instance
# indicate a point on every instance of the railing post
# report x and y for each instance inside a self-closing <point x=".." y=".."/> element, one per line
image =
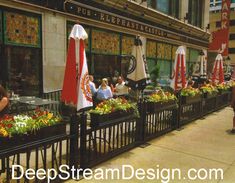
<point x="140" y="125"/>
<point x="83" y="132"/>
<point x="74" y="153"/>
<point x="179" y="111"/>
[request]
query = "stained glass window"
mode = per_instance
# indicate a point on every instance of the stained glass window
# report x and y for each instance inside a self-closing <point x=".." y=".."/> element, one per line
<point x="105" y="42"/>
<point x="164" y="51"/>
<point x="127" y="45"/>
<point x="22" y="30"/>
<point x="151" y="50"/>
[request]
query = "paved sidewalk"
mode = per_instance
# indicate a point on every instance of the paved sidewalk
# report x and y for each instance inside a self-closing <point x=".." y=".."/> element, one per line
<point x="205" y="143"/>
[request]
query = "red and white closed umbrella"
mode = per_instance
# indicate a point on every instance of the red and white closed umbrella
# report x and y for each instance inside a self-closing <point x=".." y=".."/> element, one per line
<point x="179" y="71"/>
<point x="218" y="70"/>
<point x="76" y="89"/>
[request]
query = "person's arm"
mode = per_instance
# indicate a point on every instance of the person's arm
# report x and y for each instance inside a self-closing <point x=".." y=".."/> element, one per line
<point x="110" y="93"/>
<point x="3" y="103"/>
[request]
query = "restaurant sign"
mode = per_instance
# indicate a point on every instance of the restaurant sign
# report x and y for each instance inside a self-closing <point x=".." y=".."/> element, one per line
<point x="101" y="16"/>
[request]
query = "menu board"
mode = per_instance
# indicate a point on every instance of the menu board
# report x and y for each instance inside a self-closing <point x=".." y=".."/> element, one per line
<point x="105" y="42"/>
<point x="127" y="45"/>
<point x="164" y="51"/>
<point x="151" y="50"/>
<point x="22" y="30"/>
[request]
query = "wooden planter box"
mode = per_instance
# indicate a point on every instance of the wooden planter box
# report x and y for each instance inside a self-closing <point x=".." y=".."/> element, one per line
<point x="153" y="107"/>
<point x="221" y="92"/>
<point x="98" y="120"/>
<point x="43" y="133"/>
<point x="209" y="95"/>
<point x="190" y="99"/>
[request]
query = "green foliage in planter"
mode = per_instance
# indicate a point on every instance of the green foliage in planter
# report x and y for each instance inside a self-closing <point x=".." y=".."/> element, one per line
<point x="22" y="124"/>
<point x="112" y="105"/>
<point x="160" y="96"/>
<point x="189" y="91"/>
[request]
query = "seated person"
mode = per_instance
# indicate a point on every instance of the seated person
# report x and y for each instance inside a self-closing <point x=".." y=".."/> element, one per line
<point x="104" y="91"/>
<point x="4" y="101"/>
<point x="121" y="88"/>
<point x="92" y="86"/>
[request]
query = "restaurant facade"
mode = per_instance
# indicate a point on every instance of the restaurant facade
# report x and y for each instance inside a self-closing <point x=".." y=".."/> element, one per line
<point x="34" y="38"/>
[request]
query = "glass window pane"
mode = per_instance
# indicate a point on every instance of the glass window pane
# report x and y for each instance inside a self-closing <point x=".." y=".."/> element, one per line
<point x="163" y="6"/>
<point x="164" y="68"/>
<point x="23" y="66"/>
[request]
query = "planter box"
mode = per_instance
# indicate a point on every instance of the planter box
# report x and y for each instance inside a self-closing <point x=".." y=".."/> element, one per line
<point x="98" y="120"/>
<point x="209" y="95"/>
<point x="43" y="133"/>
<point x="153" y="107"/>
<point x="221" y="92"/>
<point x="190" y="99"/>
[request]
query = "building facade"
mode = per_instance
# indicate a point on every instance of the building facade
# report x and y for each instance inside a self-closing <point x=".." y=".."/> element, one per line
<point x="215" y="24"/>
<point x="34" y="37"/>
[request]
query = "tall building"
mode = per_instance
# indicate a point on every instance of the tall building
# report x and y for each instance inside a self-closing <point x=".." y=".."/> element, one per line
<point x="215" y="24"/>
<point x="34" y="37"/>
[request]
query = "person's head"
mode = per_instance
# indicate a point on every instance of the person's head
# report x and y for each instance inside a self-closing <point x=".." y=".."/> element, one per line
<point x="3" y="92"/>
<point x="120" y="80"/>
<point x="91" y="78"/>
<point x="104" y="82"/>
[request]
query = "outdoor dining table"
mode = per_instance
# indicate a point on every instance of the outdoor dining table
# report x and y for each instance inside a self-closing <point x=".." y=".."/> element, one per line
<point x="24" y="103"/>
<point x="33" y="100"/>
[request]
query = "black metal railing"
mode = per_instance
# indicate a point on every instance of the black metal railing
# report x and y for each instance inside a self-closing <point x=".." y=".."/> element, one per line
<point x="55" y="96"/>
<point x="85" y="144"/>
<point x="48" y="153"/>
<point x="101" y="143"/>
<point x="189" y="111"/>
<point x="160" y="121"/>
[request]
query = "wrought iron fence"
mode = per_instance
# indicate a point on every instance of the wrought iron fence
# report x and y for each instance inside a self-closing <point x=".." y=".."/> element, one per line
<point x="86" y="145"/>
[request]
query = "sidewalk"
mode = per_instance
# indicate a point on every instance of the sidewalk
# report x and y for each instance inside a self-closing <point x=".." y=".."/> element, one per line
<point x="205" y="143"/>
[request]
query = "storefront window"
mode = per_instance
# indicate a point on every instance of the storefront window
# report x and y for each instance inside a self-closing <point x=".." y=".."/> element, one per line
<point x="164" y="71"/>
<point x="24" y="71"/>
<point x="193" y="64"/>
<point x="20" y="52"/>
<point x="106" y="66"/>
<point x="195" y="12"/>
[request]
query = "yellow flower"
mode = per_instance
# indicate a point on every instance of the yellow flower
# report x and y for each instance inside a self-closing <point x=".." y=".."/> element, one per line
<point x="49" y="115"/>
<point x="3" y="132"/>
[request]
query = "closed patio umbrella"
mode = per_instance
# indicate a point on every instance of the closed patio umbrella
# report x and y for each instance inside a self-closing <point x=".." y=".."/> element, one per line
<point x="218" y="70"/>
<point x="76" y="89"/>
<point x="137" y="75"/>
<point x="179" y="71"/>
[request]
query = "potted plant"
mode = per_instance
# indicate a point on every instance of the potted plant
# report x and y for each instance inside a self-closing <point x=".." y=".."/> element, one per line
<point x="112" y="109"/>
<point x="222" y="88"/>
<point x="190" y="95"/>
<point x="209" y="91"/>
<point x="25" y="128"/>
<point x="159" y="99"/>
